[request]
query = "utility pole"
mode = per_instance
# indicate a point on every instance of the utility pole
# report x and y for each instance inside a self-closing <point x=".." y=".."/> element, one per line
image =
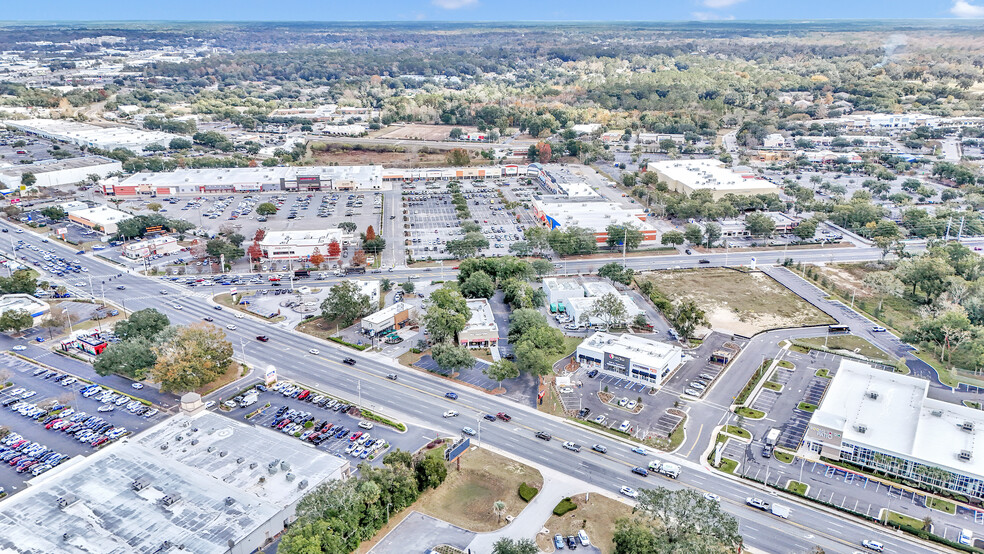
<point x="625" y="240"/>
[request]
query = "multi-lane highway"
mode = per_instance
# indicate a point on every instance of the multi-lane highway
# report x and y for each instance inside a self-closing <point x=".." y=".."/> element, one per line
<point x="418" y="399"/>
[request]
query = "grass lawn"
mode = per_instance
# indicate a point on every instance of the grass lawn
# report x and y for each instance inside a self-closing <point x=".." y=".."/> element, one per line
<point x="894" y="517"/>
<point x="782" y="456"/>
<point x="750" y="413"/>
<point x="728" y="465"/>
<point x="972" y="404"/>
<point x="942" y="505"/>
<point x="466" y="497"/>
<point x="738" y="432"/>
<point x="551" y="400"/>
<point x="806" y="407"/>
<point x="796" y="487"/>
<point x="409" y="358"/>
<point x="849" y="343"/>
<point x="481" y="354"/>
<point x="772" y="386"/>
<point x="596" y="515"/>
<point x="317" y="327"/>
<point x="738" y="302"/>
<point x="570" y="345"/>
<point x="823" y="372"/>
<point x="786" y="364"/>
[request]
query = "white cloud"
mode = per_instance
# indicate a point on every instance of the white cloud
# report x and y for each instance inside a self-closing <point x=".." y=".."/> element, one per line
<point x="962" y="8"/>
<point x="454" y="4"/>
<point x="710" y="16"/>
<point x="716" y="4"/>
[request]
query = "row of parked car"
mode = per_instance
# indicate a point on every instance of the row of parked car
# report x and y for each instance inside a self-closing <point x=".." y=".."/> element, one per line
<point x="699" y="386"/>
<point x="294" y="422"/>
<point x="24" y="455"/>
<point x="111" y="400"/>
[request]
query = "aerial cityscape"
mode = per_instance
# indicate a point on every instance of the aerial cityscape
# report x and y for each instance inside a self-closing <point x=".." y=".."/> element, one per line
<point x="455" y="277"/>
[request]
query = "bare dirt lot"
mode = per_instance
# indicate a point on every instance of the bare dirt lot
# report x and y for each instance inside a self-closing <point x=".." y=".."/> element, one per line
<point x="388" y="159"/>
<point x="736" y="302"/>
<point x="420" y="132"/>
<point x="597" y="516"/>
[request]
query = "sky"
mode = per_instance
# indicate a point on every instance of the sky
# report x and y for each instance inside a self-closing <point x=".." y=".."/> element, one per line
<point x="487" y="10"/>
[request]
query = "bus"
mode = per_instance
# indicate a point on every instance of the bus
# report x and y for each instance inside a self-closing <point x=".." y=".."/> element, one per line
<point x="832" y="329"/>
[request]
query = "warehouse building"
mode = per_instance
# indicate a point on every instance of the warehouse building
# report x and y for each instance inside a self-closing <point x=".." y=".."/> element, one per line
<point x="596" y="216"/>
<point x="100" y="218"/>
<point x="631" y="357"/>
<point x="249" y="179"/>
<point x="390" y="318"/>
<point x="885" y="421"/>
<point x="92" y="136"/>
<point x="688" y="176"/>
<point x="481" y="330"/>
<point x="51" y="173"/>
<point x="193" y="483"/>
<point x="301" y="245"/>
<point x="577" y="299"/>
<point x="27" y="303"/>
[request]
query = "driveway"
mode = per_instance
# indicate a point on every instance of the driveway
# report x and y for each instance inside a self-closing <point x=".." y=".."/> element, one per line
<point x="419" y="532"/>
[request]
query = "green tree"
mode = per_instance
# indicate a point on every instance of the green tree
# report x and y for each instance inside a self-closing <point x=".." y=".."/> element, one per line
<point x="759" y="224"/>
<point x="345" y="303"/>
<point x="541" y="267"/>
<point x="927" y="272"/>
<point x="609" y="309"/>
<point x="237" y="240"/>
<point x="614" y="272"/>
<point x="451" y="357"/>
<point x="146" y="323"/>
<point x="806" y="229"/>
<point x="431" y="472"/>
<point x="266" y="208"/>
<point x="678" y="521"/>
<point x="197" y="355"/>
<point x="131" y="358"/>
<point x="514" y="546"/>
<point x="687" y="317"/>
<point x="22" y="281"/>
<point x="883" y="283"/>
<point x="501" y="370"/>
<point x="712" y="233"/>
<point x="618" y="233"/>
<point x="348" y="226"/>
<point x="478" y="285"/>
<point x="443" y="324"/>
<point x="675" y="238"/>
<point x="15" y="320"/>
<point x="56" y="213"/>
<point x="693" y="233"/>
<point x="521" y="248"/>
<point x="28" y="180"/>
<point x="375" y="245"/>
<point x="537" y="237"/>
<point x="457" y="157"/>
<point x="407" y="287"/>
<point x="532" y="360"/>
<point x="179" y="144"/>
<point x="155" y="206"/>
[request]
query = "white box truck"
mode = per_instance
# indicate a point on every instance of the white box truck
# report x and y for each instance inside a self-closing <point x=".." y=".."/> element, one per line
<point x="249" y="399"/>
<point x="781" y="511"/>
<point x="771" y="440"/>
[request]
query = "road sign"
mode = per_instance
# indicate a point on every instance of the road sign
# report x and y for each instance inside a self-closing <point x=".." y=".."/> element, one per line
<point x="456" y="449"/>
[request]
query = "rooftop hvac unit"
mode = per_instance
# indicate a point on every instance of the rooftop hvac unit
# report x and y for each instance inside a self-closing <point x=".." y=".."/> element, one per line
<point x="937" y="413"/>
<point x="873" y="395"/>
<point x="861" y="428"/>
<point x="965" y="455"/>
<point x="67" y="500"/>
<point x="170" y="499"/>
<point x="140" y="484"/>
<point x="229" y="501"/>
<point x="967" y="426"/>
<point x="290" y="477"/>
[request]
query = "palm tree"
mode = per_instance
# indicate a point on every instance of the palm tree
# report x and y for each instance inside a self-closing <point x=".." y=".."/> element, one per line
<point x="498" y="508"/>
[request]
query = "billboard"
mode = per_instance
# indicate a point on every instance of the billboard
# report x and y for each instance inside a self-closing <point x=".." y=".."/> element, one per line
<point x="271" y="375"/>
<point x="456" y="449"/>
<point x="616" y="363"/>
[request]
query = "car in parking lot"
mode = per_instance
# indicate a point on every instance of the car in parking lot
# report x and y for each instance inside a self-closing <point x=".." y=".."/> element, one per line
<point x="558" y="542"/>
<point x="593" y="373"/>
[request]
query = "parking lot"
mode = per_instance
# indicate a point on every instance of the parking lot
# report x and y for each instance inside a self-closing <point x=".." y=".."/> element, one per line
<point x="410" y="440"/>
<point x="430" y="219"/>
<point x="48" y="393"/>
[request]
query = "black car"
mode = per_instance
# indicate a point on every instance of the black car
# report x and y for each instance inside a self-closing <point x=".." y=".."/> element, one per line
<point x="583" y="412"/>
<point x="593" y="373"/>
<point x="571" y="542"/>
<point x="704" y="261"/>
<point x="489" y="417"/>
<point x="640" y="471"/>
<point x="543" y="435"/>
<point x="349" y="361"/>
<point x="263" y="338"/>
<point x="206" y="318"/>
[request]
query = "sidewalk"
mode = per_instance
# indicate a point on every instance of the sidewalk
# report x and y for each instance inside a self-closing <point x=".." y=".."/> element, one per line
<point x="529" y="522"/>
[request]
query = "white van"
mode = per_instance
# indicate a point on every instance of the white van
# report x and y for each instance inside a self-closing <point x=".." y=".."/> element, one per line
<point x="966" y="537"/>
<point x="624" y="427"/>
<point x="583" y="537"/>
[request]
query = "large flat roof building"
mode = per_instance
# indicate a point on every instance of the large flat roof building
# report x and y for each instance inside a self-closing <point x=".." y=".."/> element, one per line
<point x="886" y="421"/>
<point x="250" y="179"/>
<point x="197" y="483"/>
<point x="84" y="134"/>
<point x="102" y="218"/>
<point x="596" y="216"/>
<point x="630" y="357"/>
<point x="26" y="303"/>
<point x="50" y="173"/>
<point x="300" y="245"/>
<point x="688" y="176"/>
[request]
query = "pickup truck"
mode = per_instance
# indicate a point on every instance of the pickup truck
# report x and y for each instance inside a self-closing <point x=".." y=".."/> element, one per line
<point x="572" y="446"/>
<point x="757" y="503"/>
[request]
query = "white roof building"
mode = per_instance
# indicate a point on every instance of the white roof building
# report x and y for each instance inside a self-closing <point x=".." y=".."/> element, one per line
<point x="481" y="330"/>
<point x="390" y="317"/>
<point x="578" y="190"/>
<point x="885" y="420"/>
<point x="251" y="179"/>
<point x="50" y="173"/>
<point x="300" y="245"/>
<point x="596" y="216"/>
<point x="630" y="357"/>
<point x="559" y="290"/>
<point x="102" y="218"/>
<point x="198" y="483"/>
<point x="24" y="302"/>
<point x="84" y="134"/>
<point x="687" y="176"/>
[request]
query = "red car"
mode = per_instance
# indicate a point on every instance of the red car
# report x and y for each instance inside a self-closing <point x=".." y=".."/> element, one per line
<point x="262" y="338"/>
<point x="355" y="436"/>
<point x="304" y="395"/>
<point x="274" y="279"/>
<point x="503" y="416"/>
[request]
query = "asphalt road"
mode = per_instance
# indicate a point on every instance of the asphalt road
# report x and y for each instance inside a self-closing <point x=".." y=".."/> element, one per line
<point x="418" y="398"/>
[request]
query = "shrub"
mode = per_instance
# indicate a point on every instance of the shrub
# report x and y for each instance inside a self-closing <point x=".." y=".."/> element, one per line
<point x="527" y="492"/>
<point x="564" y="506"/>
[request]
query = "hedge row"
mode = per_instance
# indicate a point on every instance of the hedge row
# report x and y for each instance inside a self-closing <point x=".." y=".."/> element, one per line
<point x="527" y="492"/>
<point x="359" y="347"/>
<point x="750" y="386"/>
<point x="564" y="506"/>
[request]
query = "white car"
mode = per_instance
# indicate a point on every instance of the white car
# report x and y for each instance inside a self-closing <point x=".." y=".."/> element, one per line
<point x="209" y="404"/>
<point x="468" y="431"/>
<point x="877" y="329"/>
<point x="629" y="491"/>
<point x="231" y="327"/>
<point x="873" y="545"/>
<point x="450" y="413"/>
<point x="137" y="386"/>
<point x="314" y="351"/>
<point x="178" y="307"/>
<point x="19" y="348"/>
<point x="712" y="497"/>
<point x="240" y="315"/>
